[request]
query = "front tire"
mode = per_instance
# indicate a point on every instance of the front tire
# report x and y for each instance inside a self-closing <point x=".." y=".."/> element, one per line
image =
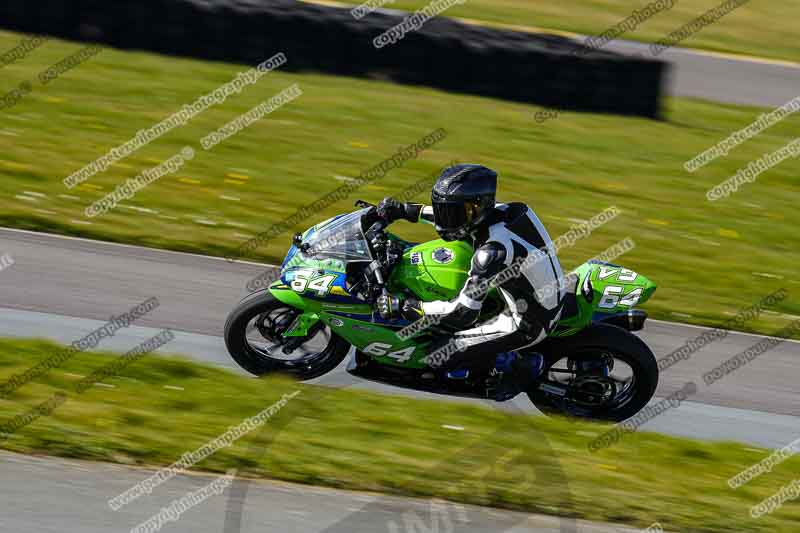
<point x="584" y="350"/>
<point x="257" y="348"/>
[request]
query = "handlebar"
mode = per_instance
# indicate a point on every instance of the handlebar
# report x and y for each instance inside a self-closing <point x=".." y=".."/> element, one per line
<point x="364" y="204"/>
<point x="386" y="256"/>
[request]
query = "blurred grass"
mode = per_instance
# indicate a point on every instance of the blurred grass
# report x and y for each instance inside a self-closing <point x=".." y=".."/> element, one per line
<point x="361" y="440"/>
<point x="766" y="28"/>
<point x="709" y="259"/>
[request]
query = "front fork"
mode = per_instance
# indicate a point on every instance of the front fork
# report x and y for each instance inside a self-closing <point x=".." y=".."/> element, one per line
<point x="300" y="328"/>
<point x="305" y="324"/>
<point x="294" y="342"/>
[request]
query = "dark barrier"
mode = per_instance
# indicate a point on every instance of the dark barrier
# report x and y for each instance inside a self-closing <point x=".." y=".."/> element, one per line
<point x="444" y="53"/>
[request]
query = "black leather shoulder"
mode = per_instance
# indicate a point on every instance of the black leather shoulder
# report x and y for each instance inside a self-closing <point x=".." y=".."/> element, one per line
<point x="489" y="259"/>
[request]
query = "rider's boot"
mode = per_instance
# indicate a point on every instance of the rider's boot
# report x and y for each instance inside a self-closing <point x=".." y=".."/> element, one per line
<point x="518" y="373"/>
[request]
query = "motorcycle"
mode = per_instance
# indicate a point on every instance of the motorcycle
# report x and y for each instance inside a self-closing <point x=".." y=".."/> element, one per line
<point x="306" y="322"/>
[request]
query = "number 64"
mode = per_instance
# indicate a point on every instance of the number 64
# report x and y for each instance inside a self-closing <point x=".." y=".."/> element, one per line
<point x="322" y="284"/>
<point x="613" y="297"/>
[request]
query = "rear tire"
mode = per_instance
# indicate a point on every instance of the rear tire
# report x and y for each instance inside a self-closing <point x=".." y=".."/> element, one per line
<point x="259" y="364"/>
<point x="600" y="338"/>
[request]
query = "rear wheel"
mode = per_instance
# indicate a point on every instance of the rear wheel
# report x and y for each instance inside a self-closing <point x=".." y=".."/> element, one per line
<point x="254" y="338"/>
<point x="609" y="374"/>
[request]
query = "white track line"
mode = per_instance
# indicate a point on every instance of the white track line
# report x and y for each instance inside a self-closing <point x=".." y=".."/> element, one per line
<point x="133" y="246"/>
<point x="745" y="333"/>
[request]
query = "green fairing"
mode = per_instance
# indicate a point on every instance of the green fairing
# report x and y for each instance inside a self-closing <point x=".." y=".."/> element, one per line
<point x="430" y="279"/>
<point x="626" y="289"/>
<point x="437" y="270"/>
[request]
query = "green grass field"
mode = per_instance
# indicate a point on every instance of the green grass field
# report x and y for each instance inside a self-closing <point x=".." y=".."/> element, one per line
<point x="709" y="259"/>
<point x="763" y="29"/>
<point x="162" y="407"/>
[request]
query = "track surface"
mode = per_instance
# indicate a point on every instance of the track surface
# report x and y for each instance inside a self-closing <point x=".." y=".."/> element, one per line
<point x="721" y="78"/>
<point x="57" y="283"/>
<point x="57" y="492"/>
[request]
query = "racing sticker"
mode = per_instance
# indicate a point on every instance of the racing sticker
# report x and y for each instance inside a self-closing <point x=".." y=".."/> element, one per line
<point x="416" y="258"/>
<point x="443" y="255"/>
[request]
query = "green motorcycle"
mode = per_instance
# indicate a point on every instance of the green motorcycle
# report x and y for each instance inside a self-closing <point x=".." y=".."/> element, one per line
<point x="306" y="322"/>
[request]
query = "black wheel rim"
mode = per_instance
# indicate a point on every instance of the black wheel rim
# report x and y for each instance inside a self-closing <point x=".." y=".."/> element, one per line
<point x="264" y="338"/>
<point x="594" y="391"/>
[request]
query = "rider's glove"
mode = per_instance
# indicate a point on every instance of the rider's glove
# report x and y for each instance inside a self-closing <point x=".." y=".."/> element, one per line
<point x="412" y="309"/>
<point x="390" y="210"/>
<point x="390" y="306"/>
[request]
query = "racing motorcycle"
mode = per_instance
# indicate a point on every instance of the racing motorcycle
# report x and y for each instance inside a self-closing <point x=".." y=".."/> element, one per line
<point x="322" y="306"/>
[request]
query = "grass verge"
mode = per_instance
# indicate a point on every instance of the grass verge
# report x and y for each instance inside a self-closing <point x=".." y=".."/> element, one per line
<point x="164" y="407"/>
<point x="708" y="258"/>
<point x="761" y="29"/>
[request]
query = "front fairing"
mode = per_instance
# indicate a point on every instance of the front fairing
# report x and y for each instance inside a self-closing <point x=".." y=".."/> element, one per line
<point x="317" y="269"/>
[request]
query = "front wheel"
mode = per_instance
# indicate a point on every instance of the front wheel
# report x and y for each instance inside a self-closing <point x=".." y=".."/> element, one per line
<point x="608" y="374"/>
<point x="254" y="338"/>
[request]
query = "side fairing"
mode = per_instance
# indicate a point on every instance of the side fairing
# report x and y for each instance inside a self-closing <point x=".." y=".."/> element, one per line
<point x="604" y="289"/>
<point x="357" y="324"/>
<point x="617" y="289"/>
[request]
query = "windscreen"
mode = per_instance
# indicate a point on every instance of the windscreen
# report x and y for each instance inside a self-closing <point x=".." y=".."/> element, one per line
<point x="341" y="238"/>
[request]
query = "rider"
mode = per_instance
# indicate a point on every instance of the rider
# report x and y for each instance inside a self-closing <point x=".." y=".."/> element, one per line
<point x="464" y="208"/>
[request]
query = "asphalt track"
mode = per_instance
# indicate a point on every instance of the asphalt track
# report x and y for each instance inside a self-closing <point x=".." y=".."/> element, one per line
<point x="721" y="77"/>
<point x="47" y="495"/>
<point x="61" y="288"/>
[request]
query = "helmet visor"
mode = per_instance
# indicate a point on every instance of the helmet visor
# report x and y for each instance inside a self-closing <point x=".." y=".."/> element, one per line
<point x="450" y="215"/>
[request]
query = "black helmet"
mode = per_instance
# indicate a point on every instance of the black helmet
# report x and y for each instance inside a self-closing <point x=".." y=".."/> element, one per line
<point x="462" y="197"/>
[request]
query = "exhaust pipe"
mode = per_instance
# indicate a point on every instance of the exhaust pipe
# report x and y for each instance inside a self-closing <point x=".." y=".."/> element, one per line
<point x="632" y="320"/>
